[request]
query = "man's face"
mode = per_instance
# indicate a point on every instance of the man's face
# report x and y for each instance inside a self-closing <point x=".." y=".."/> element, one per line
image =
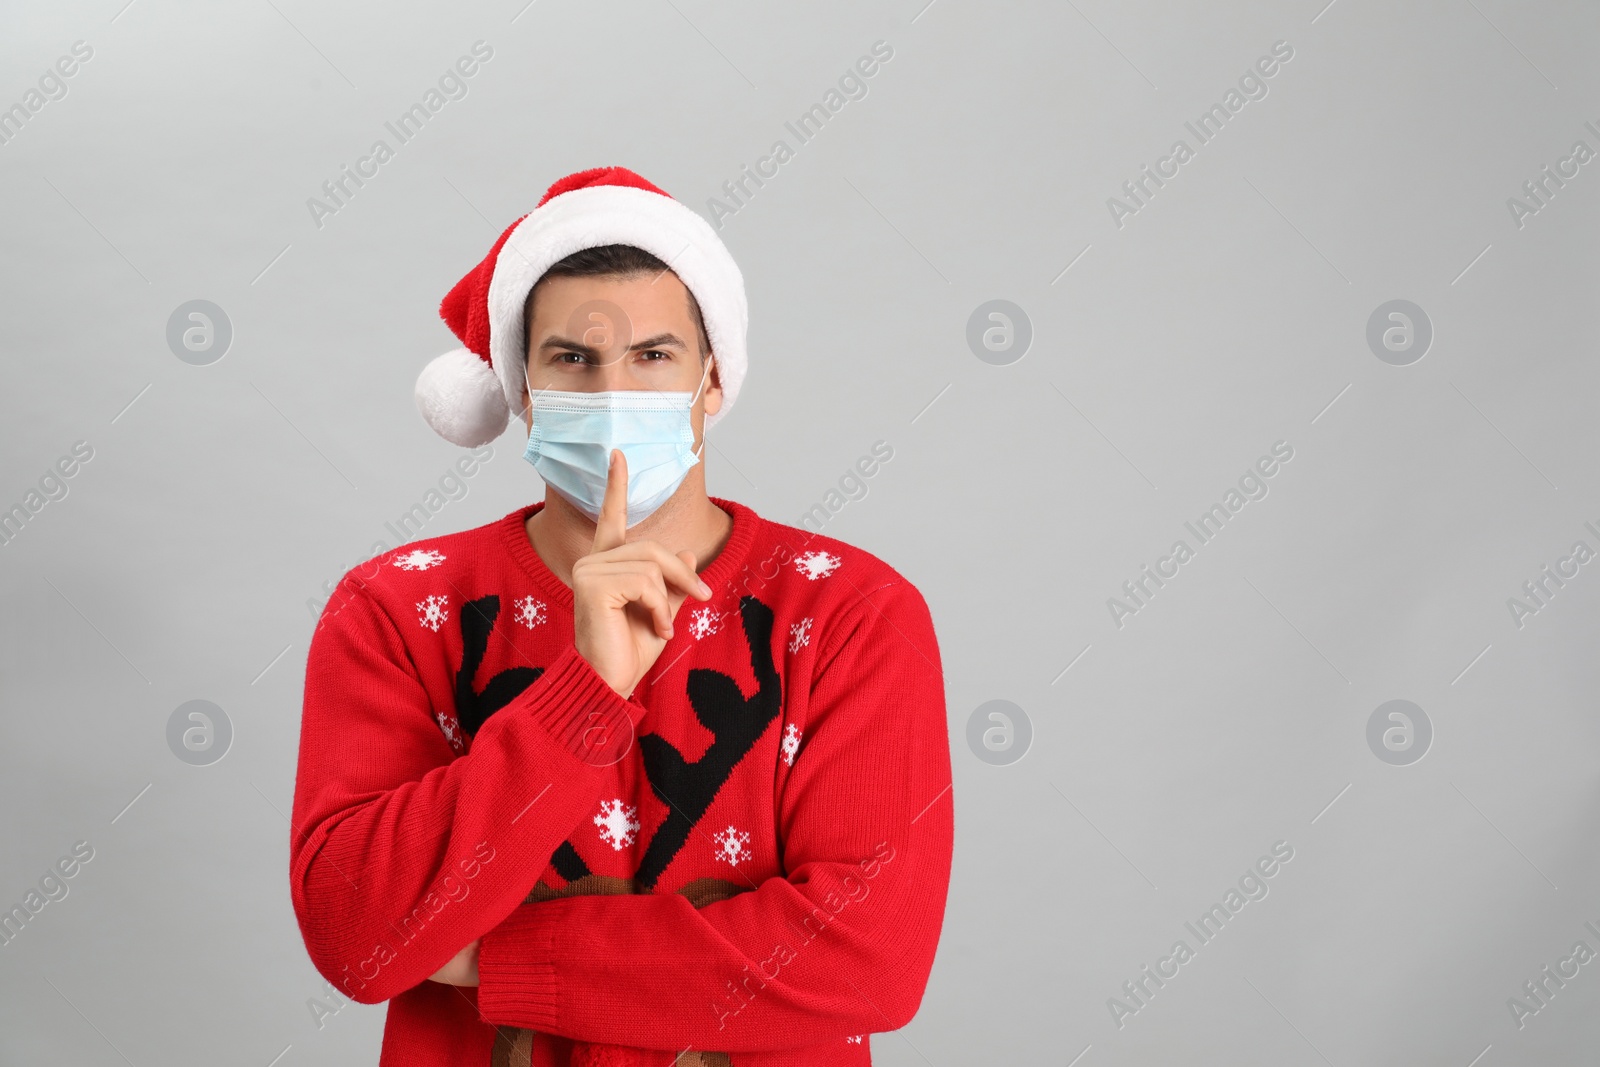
<point x="594" y="334"/>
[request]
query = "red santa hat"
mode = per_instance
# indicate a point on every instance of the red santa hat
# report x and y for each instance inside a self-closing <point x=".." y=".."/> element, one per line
<point x="469" y="394"/>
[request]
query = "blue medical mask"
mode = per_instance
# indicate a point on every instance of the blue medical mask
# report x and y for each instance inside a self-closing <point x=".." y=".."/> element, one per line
<point x="574" y="433"/>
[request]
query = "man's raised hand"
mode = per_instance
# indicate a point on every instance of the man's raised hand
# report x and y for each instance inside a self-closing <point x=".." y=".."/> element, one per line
<point x="625" y="596"/>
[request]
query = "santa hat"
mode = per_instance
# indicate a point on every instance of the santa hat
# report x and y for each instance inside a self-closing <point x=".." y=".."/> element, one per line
<point x="468" y="395"/>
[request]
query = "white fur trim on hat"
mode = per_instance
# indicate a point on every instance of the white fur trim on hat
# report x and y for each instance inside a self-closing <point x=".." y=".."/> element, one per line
<point x="616" y="214"/>
<point x="460" y="397"/>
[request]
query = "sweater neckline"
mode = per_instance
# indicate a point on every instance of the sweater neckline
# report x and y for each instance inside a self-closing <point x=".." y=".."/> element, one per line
<point x="515" y="533"/>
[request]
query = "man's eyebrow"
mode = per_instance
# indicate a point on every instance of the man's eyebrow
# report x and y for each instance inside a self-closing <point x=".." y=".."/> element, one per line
<point x="557" y="341"/>
<point x="660" y="340"/>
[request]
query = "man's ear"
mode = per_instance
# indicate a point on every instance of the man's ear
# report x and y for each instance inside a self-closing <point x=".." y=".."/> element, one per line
<point x="713" y="388"/>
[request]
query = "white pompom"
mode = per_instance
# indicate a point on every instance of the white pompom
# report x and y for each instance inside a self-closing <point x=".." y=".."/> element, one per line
<point x="459" y="396"/>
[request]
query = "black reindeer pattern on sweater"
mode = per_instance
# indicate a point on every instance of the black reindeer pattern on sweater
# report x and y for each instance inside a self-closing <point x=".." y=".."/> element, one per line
<point x="735" y="721"/>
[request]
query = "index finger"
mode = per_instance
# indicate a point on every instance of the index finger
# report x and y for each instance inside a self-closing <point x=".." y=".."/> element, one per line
<point x="611" y="528"/>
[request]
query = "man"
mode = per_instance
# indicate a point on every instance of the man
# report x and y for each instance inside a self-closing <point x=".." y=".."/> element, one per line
<point x="632" y="776"/>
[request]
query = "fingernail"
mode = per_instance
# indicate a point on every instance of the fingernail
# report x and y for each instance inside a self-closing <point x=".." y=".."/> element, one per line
<point x="705" y="590"/>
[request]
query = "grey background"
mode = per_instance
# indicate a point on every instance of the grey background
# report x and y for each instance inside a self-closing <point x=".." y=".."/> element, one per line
<point x="1228" y="314"/>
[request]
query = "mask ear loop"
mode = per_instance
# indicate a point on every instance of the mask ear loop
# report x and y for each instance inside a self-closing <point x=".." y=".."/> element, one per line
<point x="704" y="376"/>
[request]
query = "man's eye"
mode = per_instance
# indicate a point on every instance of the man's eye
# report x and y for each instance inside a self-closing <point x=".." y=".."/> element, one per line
<point x="655" y="355"/>
<point x="570" y="357"/>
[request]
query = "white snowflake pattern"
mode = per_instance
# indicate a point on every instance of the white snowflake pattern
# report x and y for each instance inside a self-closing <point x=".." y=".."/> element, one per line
<point x="530" y="612"/>
<point x="799" y="635"/>
<point x="816" y="565"/>
<point x="730" y="845"/>
<point x="791" y="743"/>
<point x="451" y="733"/>
<point x="617" y="823"/>
<point x="855" y="1039"/>
<point x="431" y="612"/>
<point x="418" y="559"/>
<point x="704" y="622"/>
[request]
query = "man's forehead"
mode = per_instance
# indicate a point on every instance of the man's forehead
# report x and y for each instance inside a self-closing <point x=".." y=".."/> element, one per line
<point x="644" y="301"/>
<point x="637" y="295"/>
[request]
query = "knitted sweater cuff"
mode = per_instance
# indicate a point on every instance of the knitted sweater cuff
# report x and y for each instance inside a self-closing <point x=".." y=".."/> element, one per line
<point x="516" y="976"/>
<point x="582" y="712"/>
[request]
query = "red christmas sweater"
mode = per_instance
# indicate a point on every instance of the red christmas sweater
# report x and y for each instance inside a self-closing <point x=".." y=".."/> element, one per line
<point x="745" y="864"/>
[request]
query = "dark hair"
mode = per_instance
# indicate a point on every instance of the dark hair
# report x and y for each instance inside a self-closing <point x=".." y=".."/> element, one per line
<point x="621" y="261"/>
